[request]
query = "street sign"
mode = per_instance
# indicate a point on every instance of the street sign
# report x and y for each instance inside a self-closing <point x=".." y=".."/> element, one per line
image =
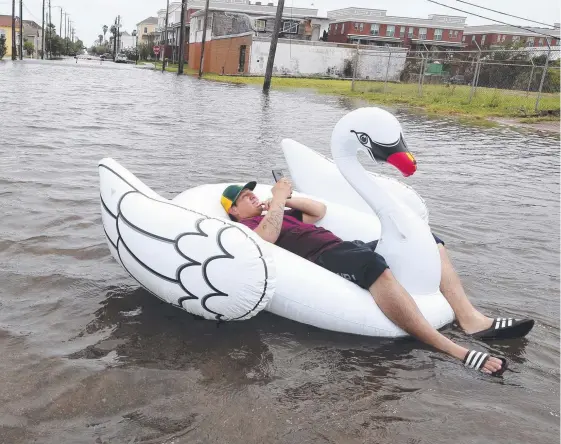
<point x="156" y="50"/>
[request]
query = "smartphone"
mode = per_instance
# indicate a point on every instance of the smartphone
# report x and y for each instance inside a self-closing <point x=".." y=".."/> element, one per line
<point x="278" y="175"/>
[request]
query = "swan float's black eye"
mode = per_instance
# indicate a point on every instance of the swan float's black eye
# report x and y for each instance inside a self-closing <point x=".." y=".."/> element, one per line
<point x="363" y="138"/>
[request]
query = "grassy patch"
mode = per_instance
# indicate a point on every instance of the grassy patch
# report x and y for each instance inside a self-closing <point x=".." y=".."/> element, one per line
<point x="451" y="100"/>
<point x="540" y="119"/>
<point x="436" y="99"/>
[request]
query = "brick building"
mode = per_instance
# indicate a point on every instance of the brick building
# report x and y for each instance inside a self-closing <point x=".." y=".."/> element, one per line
<point x="231" y="26"/>
<point x="374" y="27"/>
<point x="487" y="36"/>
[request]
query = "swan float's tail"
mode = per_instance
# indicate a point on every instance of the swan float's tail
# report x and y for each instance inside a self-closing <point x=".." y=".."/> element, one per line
<point x="207" y="266"/>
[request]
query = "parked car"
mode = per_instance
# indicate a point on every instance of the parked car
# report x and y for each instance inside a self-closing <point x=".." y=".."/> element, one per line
<point x="106" y="56"/>
<point x="121" y="58"/>
<point x="457" y="80"/>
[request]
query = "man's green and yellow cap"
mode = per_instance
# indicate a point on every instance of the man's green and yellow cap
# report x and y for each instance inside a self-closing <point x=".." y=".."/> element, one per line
<point x="232" y="192"/>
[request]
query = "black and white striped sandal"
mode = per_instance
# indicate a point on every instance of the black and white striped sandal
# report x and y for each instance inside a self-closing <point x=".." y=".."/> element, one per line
<point x="506" y="328"/>
<point x="477" y="360"/>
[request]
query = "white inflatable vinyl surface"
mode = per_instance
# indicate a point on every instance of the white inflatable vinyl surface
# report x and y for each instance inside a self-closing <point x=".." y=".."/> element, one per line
<point x="316" y="175"/>
<point x="187" y="252"/>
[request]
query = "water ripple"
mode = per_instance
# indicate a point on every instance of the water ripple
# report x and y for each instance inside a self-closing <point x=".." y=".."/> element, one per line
<point x="88" y="356"/>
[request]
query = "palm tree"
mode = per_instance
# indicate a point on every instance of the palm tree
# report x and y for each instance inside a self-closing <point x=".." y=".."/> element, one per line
<point x="100" y="37"/>
<point x="105" y="28"/>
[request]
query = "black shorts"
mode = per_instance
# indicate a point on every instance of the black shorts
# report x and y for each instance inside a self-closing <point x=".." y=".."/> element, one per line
<point x="356" y="261"/>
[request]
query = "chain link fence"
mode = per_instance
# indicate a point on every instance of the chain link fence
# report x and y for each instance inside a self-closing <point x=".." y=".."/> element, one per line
<point x="522" y="81"/>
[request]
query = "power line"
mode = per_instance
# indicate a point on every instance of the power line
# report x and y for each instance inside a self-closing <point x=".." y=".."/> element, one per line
<point x="29" y="12"/>
<point x="493" y="20"/>
<point x="504" y="13"/>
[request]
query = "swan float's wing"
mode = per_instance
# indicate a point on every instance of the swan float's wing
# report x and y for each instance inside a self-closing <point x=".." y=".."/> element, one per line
<point x="207" y="266"/>
<point x="317" y="175"/>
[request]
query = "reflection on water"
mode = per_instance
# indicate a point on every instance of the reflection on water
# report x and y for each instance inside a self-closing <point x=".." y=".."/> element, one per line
<point x="90" y="357"/>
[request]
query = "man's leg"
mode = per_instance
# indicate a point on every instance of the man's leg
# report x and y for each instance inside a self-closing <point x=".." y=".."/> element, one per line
<point x="401" y="309"/>
<point x="468" y="317"/>
<point x="359" y="263"/>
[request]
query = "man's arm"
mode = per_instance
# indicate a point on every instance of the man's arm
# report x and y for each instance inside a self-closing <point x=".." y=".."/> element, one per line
<point x="312" y="210"/>
<point x="270" y="227"/>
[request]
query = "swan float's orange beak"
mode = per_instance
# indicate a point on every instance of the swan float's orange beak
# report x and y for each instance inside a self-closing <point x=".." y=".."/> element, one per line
<point x="404" y="162"/>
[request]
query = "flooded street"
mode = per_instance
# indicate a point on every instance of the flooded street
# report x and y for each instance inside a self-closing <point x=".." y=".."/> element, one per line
<point x="89" y="357"/>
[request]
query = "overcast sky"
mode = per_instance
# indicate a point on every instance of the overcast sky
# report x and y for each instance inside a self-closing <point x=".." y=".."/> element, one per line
<point x="90" y="15"/>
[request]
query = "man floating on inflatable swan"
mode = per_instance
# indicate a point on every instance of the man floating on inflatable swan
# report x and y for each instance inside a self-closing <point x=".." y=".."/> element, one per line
<point x="365" y="264"/>
<point x="364" y="261"/>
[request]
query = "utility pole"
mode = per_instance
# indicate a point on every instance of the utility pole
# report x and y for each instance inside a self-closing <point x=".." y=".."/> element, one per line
<point x="43" y="34"/>
<point x="21" y="29"/>
<point x="13" y="29"/>
<point x="68" y="34"/>
<point x="182" y="38"/>
<point x="166" y="39"/>
<point x="60" y="29"/>
<point x="65" y="15"/>
<point x="115" y="40"/>
<point x="204" y="40"/>
<point x="118" y="36"/>
<point x="50" y="31"/>
<point x="273" y="47"/>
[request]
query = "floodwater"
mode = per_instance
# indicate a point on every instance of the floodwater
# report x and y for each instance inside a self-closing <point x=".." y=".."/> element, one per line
<point x="89" y="357"/>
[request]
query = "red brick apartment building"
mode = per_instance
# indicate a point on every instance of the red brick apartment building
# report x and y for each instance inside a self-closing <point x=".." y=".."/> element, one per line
<point x="487" y="36"/>
<point x="374" y="27"/>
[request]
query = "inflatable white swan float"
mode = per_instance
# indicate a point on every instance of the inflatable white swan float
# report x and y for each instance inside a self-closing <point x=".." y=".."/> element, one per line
<point x="187" y="252"/>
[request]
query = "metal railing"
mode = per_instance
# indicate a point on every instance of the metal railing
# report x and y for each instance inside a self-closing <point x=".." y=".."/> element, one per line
<point x="526" y="79"/>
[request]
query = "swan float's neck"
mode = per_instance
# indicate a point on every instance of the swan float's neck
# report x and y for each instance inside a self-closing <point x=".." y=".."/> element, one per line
<point x="379" y="199"/>
<point x="406" y="242"/>
<point x="394" y="217"/>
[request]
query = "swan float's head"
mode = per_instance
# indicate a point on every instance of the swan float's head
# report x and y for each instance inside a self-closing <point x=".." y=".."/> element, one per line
<point x="378" y="133"/>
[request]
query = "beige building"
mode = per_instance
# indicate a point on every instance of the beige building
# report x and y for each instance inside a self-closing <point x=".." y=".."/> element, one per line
<point x="145" y="30"/>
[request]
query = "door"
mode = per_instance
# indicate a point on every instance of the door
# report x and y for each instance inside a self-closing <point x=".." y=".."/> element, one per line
<point x="241" y="63"/>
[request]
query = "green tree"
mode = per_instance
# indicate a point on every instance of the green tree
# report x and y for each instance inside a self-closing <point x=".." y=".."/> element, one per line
<point x="145" y="51"/>
<point x="29" y="48"/>
<point x="3" y="48"/>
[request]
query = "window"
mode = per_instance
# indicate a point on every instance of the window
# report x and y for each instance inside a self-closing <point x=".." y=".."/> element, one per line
<point x="290" y="26"/>
<point x="356" y="25"/>
<point x="260" y="25"/>
<point x="483" y="39"/>
<point x="199" y="24"/>
<point x="402" y="31"/>
<point x="390" y="31"/>
<point x="410" y="34"/>
<point x="464" y="39"/>
<point x="361" y="27"/>
<point x="454" y="33"/>
<point x="342" y="28"/>
<point x="530" y="41"/>
<point x="540" y="42"/>
<point x="516" y="38"/>
<point x="375" y="29"/>
<point x="422" y="33"/>
<point x="438" y="34"/>
<point x="473" y="38"/>
<point x="145" y="30"/>
<point x="336" y="26"/>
